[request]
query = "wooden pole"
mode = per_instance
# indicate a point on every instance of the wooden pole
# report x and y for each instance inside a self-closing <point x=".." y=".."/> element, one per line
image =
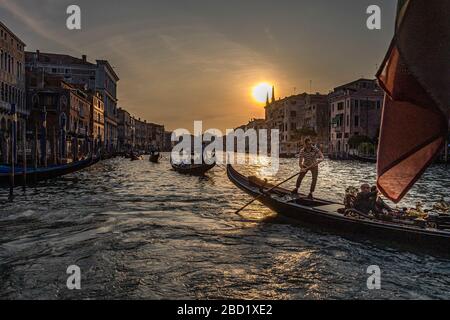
<point x="54" y="146"/>
<point x="24" y="142"/>
<point x="36" y="151"/>
<point x="13" y="152"/>
<point x="447" y="141"/>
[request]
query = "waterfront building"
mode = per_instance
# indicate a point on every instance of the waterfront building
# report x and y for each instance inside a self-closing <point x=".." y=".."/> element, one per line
<point x="355" y="110"/>
<point x="155" y="135"/>
<point x="316" y="119"/>
<point x="287" y="115"/>
<point x="125" y="130"/>
<point x="256" y="124"/>
<point x="60" y="119"/>
<point x="168" y="144"/>
<point x="12" y="88"/>
<point x="140" y="134"/>
<point x="97" y="120"/>
<point x="99" y="77"/>
<point x="106" y="83"/>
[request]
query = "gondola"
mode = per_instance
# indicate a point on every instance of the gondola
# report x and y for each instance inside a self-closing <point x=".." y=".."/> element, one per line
<point x="192" y="169"/>
<point x="155" y="157"/>
<point x="325" y="214"/>
<point x="367" y="159"/>
<point x="136" y="158"/>
<point x="35" y="175"/>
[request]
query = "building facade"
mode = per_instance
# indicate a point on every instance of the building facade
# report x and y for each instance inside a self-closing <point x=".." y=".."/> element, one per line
<point x="106" y="84"/>
<point x="287" y="115"/>
<point x="355" y="110"/>
<point x="155" y="135"/>
<point x="140" y="134"/>
<point x="99" y="77"/>
<point x="61" y="120"/>
<point x="97" y="120"/>
<point x="12" y="88"/>
<point x="125" y="131"/>
<point x="316" y="119"/>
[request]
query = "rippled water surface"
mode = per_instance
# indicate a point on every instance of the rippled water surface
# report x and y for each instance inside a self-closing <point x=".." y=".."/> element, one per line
<point x="139" y="230"/>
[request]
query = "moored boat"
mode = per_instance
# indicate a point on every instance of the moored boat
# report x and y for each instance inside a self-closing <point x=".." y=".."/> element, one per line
<point x="39" y="174"/>
<point x="320" y="213"/>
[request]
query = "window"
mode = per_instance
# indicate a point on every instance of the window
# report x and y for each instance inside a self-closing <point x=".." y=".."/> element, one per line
<point x="340" y="106"/>
<point x="378" y="105"/>
<point x="356" y="121"/>
<point x="348" y="120"/>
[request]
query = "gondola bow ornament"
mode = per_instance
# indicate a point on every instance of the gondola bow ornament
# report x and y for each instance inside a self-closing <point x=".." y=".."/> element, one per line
<point x="416" y="78"/>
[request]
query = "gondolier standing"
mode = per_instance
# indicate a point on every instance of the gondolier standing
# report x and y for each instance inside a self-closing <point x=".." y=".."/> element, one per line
<point x="309" y="159"/>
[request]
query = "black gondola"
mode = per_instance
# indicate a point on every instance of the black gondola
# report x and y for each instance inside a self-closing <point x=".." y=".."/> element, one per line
<point x="40" y="174"/>
<point x="368" y="159"/>
<point x="155" y="157"/>
<point x="192" y="169"/>
<point x="324" y="214"/>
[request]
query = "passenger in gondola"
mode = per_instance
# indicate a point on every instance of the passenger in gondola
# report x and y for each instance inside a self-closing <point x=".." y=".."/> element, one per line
<point x="369" y="201"/>
<point x="309" y="159"/>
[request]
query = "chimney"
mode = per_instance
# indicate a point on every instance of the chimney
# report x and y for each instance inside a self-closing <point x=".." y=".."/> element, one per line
<point x="84" y="57"/>
<point x="38" y="53"/>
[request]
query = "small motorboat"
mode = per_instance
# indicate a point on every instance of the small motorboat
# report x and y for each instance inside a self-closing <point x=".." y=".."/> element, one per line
<point x="323" y="214"/>
<point x="192" y="169"/>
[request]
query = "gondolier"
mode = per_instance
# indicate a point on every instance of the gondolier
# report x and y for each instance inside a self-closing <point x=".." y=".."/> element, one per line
<point x="309" y="159"/>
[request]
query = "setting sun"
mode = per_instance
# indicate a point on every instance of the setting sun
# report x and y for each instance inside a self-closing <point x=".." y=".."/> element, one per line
<point x="260" y="92"/>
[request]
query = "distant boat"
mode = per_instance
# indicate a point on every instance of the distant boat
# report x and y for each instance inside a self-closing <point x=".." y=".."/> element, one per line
<point x="35" y="175"/>
<point x="155" y="157"/>
<point x="136" y="157"/>
<point x="192" y="169"/>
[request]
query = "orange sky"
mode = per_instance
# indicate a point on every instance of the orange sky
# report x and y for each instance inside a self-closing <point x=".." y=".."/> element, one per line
<point x="181" y="61"/>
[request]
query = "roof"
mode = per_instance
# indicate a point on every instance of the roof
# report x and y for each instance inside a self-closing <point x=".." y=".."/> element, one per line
<point x="350" y="84"/>
<point x="55" y="58"/>
<point x="12" y="34"/>
<point x="109" y="67"/>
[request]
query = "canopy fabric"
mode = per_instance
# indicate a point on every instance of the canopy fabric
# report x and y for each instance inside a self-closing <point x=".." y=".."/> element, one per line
<point x="416" y="78"/>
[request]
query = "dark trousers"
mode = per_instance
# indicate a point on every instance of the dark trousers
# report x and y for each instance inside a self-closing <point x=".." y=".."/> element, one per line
<point x="315" y="174"/>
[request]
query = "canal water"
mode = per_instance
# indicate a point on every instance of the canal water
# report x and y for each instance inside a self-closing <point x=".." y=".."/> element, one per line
<point x="141" y="231"/>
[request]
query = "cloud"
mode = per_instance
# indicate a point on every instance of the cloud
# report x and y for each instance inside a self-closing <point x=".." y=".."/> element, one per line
<point x="37" y="26"/>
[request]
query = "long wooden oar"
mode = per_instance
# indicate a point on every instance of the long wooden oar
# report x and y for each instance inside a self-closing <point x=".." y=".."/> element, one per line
<point x="288" y="179"/>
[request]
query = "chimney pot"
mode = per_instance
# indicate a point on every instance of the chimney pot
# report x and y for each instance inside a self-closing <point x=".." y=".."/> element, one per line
<point x="84" y="57"/>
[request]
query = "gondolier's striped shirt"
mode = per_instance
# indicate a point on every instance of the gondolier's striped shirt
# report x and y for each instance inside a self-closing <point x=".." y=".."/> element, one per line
<point x="310" y="156"/>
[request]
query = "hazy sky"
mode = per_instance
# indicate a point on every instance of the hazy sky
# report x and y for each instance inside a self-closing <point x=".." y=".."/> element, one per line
<point x="187" y="60"/>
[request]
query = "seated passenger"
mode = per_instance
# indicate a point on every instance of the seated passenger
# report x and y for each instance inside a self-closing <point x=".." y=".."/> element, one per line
<point x="368" y="200"/>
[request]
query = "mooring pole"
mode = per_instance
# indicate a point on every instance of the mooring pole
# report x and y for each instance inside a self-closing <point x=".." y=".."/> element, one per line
<point x="24" y="139"/>
<point x="36" y="152"/>
<point x="13" y="151"/>
<point x="446" y="150"/>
